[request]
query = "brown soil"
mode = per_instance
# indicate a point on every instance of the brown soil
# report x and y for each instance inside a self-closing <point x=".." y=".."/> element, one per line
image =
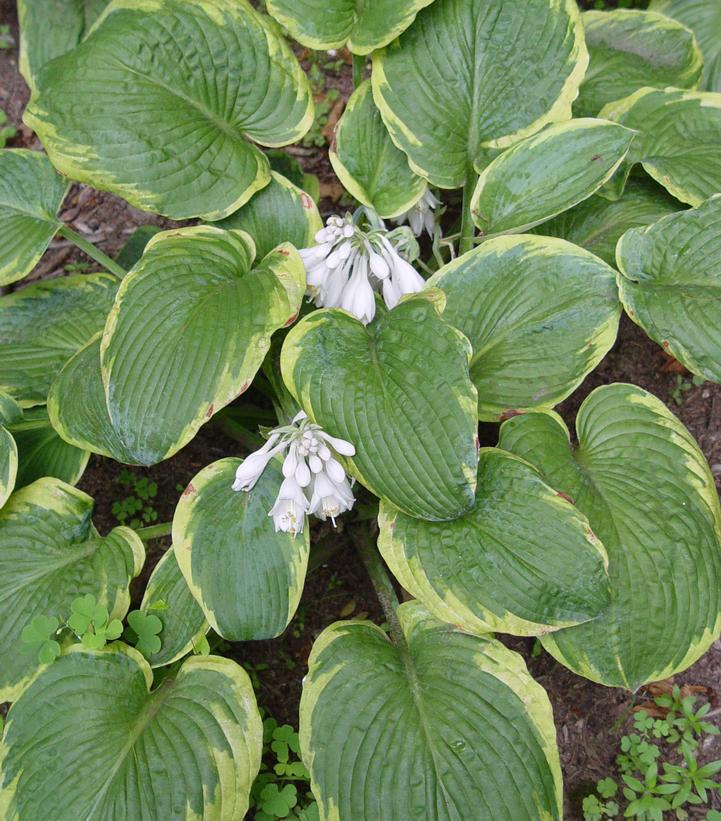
<point x="589" y="718"/>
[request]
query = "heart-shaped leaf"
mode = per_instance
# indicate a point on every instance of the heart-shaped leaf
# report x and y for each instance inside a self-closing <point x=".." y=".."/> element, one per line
<point x="44" y="324"/>
<point x="278" y="213"/>
<point x="360" y="25"/>
<point x="184" y="87"/>
<point x="450" y="726"/>
<point x="31" y="193"/>
<point x="399" y="391"/>
<point x="48" y="30"/>
<point x="41" y="451"/>
<point x="677" y="144"/>
<point x="522" y="561"/>
<point x="51" y="554"/>
<point x="640" y="478"/>
<point x="540" y="314"/>
<point x="193" y="743"/>
<point x="367" y="162"/>
<point x="457" y="86"/>
<point x="547" y="173"/>
<point x="670" y="284"/>
<point x="630" y="49"/>
<point x="598" y="223"/>
<point x="168" y="596"/>
<point x="247" y="578"/>
<point x="163" y="380"/>
<point x="703" y="17"/>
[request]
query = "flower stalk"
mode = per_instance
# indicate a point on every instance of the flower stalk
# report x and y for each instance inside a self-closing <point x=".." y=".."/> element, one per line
<point x="92" y="251"/>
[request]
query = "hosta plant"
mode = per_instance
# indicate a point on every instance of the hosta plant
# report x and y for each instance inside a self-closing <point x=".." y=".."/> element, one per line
<point x="522" y="173"/>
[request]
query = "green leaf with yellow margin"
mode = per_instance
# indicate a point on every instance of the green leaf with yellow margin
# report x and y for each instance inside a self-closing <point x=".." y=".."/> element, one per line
<point x="163" y="379"/>
<point x="367" y="162"/>
<point x="597" y="223"/>
<point x="160" y="102"/>
<point x="188" y="749"/>
<point x="522" y="561"/>
<point x="546" y="174"/>
<point x="704" y="17"/>
<point x="168" y="597"/>
<point x="540" y="314"/>
<point x="49" y="28"/>
<point x="51" y="554"/>
<point x="10" y="412"/>
<point x="448" y="726"/>
<point x="278" y="213"/>
<point x="670" y="284"/>
<point x="42" y="452"/>
<point x="247" y="578"/>
<point x="31" y="193"/>
<point x="677" y="144"/>
<point x="640" y="478"/>
<point x="44" y="324"/>
<point x="399" y="391"/>
<point x="629" y="49"/>
<point x="456" y="86"/>
<point x="358" y="24"/>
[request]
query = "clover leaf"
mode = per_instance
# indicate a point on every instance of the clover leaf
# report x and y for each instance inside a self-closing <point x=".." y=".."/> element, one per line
<point x="278" y="803"/>
<point x="143" y="631"/>
<point x="91" y="622"/>
<point x="38" y="636"/>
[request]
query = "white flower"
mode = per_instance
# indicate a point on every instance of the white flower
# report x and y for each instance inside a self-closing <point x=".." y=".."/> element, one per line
<point x="349" y="265"/>
<point x="250" y="470"/>
<point x="314" y="480"/>
<point x="290" y="508"/>
<point x="330" y="499"/>
<point x="421" y="215"/>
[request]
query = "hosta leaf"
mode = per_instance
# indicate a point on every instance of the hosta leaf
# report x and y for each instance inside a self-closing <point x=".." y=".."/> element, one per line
<point x="451" y="726"/>
<point x="398" y="390"/>
<point x="367" y="162"/>
<point x="8" y="462"/>
<point x="44" y="324"/>
<point x="278" y="213"/>
<point x="167" y="122"/>
<point x="51" y="554"/>
<point x="78" y="410"/>
<point x="188" y="749"/>
<point x="168" y="597"/>
<point x="163" y="380"/>
<point x="31" y="193"/>
<point x="670" y="284"/>
<point x="458" y="84"/>
<point x="49" y="28"/>
<point x="540" y="314"/>
<point x="41" y="451"/>
<point x="643" y="483"/>
<point x="678" y="143"/>
<point x="247" y="578"/>
<point x="547" y="173"/>
<point x="360" y="25"/>
<point x="598" y="223"/>
<point x="704" y="18"/>
<point x="630" y="49"/>
<point x="522" y="561"/>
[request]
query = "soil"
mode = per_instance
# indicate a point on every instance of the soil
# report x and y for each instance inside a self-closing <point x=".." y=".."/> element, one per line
<point x="589" y="718"/>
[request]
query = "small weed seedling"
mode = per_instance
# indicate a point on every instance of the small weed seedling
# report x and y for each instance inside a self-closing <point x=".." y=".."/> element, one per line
<point x="683" y="385"/>
<point x="135" y="509"/>
<point x="7" y="132"/>
<point x="658" y="767"/>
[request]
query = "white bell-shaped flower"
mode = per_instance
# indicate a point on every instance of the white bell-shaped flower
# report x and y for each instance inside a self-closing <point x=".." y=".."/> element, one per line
<point x="290" y="507"/>
<point x="421" y="216"/>
<point x="253" y="466"/>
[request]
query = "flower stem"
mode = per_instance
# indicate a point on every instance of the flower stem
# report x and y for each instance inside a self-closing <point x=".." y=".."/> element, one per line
<point x="467" y="226"/>
<point x="147" y="534"/>
<point x="381" y="583"/>
<point x="93" y="252"/>
<point x="359" y="69"/>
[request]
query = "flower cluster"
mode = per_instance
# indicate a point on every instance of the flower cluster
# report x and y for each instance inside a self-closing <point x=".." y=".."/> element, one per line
<point x="349" y="264"/>
<point x="314" y="481"/>
<point x="421" y="216"/>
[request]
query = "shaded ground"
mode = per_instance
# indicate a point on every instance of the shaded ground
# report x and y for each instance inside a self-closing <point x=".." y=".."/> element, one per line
<point x="589" y="718"/>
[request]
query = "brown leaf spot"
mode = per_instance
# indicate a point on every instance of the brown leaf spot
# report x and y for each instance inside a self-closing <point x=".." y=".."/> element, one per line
<point x="509" y="414"/>
<point x="291" y="321"/>
<point x="565" y="496"/>
<point x="596" y="158"/>
<point x="209" y="412"/>
<point x="190" y="489"/>
<point x="305" y="200"/>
